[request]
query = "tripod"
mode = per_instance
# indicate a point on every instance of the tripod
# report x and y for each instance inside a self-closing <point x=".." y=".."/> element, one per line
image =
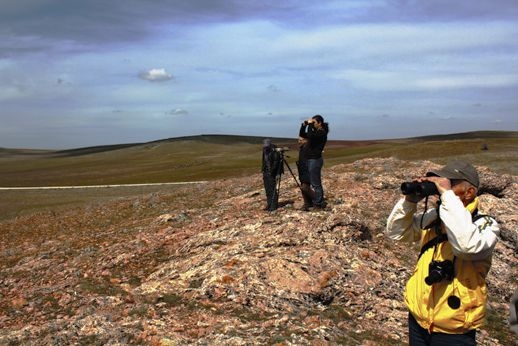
<point x="279" y="175"/>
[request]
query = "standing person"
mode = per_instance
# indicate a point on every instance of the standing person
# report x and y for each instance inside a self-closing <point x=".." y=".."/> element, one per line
<point x="302" y="166"/>
<point x="446" y="294"/>
<point x="315" y="130"/>
<point x="272" y="170"/>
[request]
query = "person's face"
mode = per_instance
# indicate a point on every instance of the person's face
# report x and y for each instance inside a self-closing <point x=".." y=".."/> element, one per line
<point x="464" y="190"/>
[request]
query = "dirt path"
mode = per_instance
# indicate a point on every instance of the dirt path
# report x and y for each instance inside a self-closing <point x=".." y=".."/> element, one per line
<point x="97" y="186"/>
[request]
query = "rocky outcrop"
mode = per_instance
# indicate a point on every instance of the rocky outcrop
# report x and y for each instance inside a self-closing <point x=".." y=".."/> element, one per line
<point x="206" y="265"/>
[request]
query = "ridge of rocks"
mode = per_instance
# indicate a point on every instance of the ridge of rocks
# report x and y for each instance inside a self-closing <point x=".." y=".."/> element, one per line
<point x="208" y="266"/>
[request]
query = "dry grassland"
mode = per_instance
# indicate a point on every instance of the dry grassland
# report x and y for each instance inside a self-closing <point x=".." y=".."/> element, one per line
<point x="207" y="158"/>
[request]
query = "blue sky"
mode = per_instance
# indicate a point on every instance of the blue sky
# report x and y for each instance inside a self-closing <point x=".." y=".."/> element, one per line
<point x="96" y="72"/>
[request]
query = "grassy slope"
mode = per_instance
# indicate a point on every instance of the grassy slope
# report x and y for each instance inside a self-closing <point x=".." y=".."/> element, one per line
<point x="172" y="160"/>
<point x="501" y="156"/>
<point x="210" y="157"/>
<point x="215" y="157"/>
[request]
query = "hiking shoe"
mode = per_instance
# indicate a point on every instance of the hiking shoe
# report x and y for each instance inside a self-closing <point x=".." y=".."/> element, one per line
<point x="306" y="207"/>
<point x="321" y="206"/>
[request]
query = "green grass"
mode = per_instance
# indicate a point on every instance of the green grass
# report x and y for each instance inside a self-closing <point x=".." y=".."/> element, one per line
<point x="205" y="159"/>
<point x="168" y="161"/>
<point x="209" y="158"/>
<point x="502" y="155"/>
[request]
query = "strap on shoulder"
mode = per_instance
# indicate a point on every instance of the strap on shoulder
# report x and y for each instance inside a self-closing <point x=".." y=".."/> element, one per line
<point x="444" y="237"/>
<point x="475" y="215"/>
<point x="433" y="242"/>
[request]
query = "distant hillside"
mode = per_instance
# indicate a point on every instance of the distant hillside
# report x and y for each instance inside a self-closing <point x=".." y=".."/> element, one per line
<point x="96" y="149"/>
<point x="228" y="139"/>
<point x="209" y="157"/>
<point x="212" y="139"/>
<point x="234" y="139"/>
<point x="470" y="135"/>
<point x="8" y="152"/>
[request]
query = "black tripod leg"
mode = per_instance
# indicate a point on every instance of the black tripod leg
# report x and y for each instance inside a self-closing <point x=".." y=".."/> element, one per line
<point x="273" y="192"/>
<point x="292" y="174"/>
<point x="276" y="191"/>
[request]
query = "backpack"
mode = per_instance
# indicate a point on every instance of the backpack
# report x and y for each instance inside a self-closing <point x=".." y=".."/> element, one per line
<point x="273" y="162"/>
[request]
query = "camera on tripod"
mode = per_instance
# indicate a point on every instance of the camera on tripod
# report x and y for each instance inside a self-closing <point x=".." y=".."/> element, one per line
<point x="421" y="189"/>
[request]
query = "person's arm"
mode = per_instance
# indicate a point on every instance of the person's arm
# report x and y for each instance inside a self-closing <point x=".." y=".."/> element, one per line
<point x="302" y="131"/>
<point x="471" y="240"/>
<point x="401" y="223"/>
<point x="314" y="133"/>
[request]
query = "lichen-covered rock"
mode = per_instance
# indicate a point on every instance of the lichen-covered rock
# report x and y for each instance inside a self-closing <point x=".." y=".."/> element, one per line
<point x="208" y="266"/>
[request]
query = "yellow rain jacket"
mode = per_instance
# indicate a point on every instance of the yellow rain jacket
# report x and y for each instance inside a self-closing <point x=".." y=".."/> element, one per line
<point x="470" y="243"/>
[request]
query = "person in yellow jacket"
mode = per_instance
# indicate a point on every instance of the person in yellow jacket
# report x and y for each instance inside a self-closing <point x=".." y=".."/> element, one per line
<point x="446" y="294"/>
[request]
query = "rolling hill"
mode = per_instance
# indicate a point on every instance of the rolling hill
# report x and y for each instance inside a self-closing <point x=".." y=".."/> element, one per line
<point x="207" y="157"/>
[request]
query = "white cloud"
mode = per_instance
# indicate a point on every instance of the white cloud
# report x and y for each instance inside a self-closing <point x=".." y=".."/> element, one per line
<point x="178" y="111"/>
<point x="330" y="57"/>
<point x="10" y="92"/>
<point x="460" y="82"/>
<point x="156" y="75"/>
<point x="410" y="55"/>
<point x="423" y="80"/>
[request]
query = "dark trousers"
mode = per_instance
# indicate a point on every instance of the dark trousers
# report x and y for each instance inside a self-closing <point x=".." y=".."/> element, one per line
<point x="272" y="197"/>
<point x="305" y="187"/>
<point x="315" y="177"/>
<point x="418" y="336"/>
<point x="307" y="194"/>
